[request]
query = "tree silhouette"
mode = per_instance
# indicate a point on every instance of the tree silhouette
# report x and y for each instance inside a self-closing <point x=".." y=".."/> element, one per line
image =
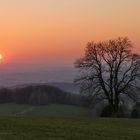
<point x="109" y="69"/>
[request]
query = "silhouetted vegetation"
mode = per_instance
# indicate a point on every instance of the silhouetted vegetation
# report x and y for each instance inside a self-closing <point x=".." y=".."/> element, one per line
<point x="107" y="71"/>
<point x="136" y="111"/>
<point x="107" y="112"/>
<point x="38" y="95"/>
<point x="6" y="95"/>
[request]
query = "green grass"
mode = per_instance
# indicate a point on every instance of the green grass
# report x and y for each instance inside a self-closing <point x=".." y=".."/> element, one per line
<point x="62" y="122"/>
<point x="11" y="109"/>
<point x="49" y="110"/>
<point x="59" y="128"/>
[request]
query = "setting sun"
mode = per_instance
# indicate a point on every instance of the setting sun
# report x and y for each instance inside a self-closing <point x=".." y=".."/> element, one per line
<point x="0" y="57"/>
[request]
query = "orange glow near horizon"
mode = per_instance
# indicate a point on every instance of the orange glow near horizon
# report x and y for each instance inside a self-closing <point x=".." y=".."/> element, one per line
<point x="57" y="31"/>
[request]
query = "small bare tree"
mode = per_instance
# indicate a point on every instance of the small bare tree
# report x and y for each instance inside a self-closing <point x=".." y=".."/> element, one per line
<point x="108" y="70"/>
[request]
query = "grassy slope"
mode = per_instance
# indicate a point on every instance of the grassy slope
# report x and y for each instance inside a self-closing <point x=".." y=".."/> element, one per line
<point x="51" y="110"/>
<point x="70" y="126"/>
<point x="45" y="128"/>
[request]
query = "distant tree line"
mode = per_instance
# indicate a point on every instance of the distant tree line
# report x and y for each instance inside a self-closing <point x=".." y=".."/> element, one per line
<point x="38" y="95"/>
<point x="45" y="95"/>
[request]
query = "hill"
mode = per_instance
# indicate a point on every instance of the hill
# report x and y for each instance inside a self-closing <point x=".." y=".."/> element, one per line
<point x="69" y="87"/>
<point x="54" y="110"/>
<point x="38" y="94"/>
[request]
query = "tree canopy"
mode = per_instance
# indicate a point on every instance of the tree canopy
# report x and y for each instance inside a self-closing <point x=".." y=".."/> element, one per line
<point x="109" y="69"/>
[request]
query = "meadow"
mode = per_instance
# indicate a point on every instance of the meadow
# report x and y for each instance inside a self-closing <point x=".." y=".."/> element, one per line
<point x="52" y="110"/>
<point x="64" y="128"/>
<point x="62" y="122"/>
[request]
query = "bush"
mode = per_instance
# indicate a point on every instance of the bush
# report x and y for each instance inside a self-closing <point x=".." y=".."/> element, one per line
<point x="136" y="111"/>
<point x="108" y="112"/>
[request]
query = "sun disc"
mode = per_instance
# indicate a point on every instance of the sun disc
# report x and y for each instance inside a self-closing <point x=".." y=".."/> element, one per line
<point x="0" y="56"/>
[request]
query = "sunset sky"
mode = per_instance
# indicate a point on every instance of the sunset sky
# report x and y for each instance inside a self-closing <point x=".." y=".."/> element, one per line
<point x="56" y="31"/>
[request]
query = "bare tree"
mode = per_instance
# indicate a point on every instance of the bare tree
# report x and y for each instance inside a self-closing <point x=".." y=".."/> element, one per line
<point x="108" y="70"/>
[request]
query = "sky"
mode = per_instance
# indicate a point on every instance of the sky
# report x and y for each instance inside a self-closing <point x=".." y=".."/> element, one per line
<point x="57" y="31"/>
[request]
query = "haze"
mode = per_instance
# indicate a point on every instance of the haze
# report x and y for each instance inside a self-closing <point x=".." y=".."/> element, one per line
<point x="56" y="31"/>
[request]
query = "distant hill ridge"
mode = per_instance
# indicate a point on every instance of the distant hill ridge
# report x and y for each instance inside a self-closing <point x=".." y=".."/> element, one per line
<point x="38" y="94"/>
<point x="67" y="86"/>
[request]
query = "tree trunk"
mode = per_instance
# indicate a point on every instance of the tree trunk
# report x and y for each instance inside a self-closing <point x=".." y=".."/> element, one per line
<point x="114" y="107"/>
<point x="115" y="110"/>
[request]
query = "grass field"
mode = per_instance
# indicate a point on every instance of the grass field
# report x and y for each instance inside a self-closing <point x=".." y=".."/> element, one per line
<point x="59" y="128"/>
<point x="62" y="122"/>
<point x="54" y="110"/>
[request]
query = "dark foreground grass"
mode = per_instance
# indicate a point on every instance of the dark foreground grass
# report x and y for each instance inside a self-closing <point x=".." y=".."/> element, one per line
<point x="58" y="128"/>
